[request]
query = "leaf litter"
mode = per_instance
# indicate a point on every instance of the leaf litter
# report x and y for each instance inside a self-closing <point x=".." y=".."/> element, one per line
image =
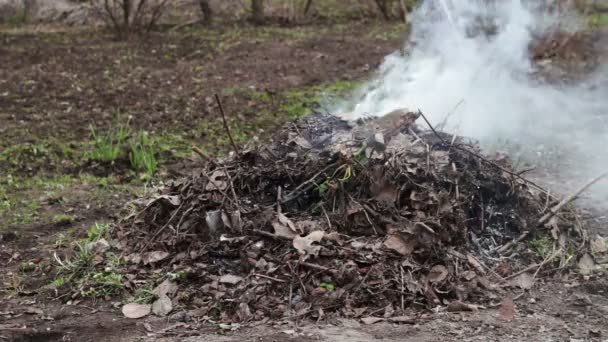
<point x="395" y="217"/>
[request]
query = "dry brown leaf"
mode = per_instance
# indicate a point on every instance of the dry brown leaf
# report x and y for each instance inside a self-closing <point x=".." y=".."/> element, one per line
<point x="215" y="183"/>
<point x="599" y="245"/>
<point x="34" y="311"/>
<point x="162" y="306"/>
<point x="524" y="281"/>
<point x="334" y="236"/>
<point x="438" y="274"/>
<point x="398" y="244"/>
<point x="230" y="279"/>
<point x="476" y="264"/>
<point x="507" y="309"/>
<point x="166" y="288"/>
<point x="284" y="220"/>
<point x="586" y="264"/>
<point x="372" y="320"/>
<point x="98" y="247"/>
<point x="154" y="256"/>
<point x="283" y="231"/>
<point x="305" y="246"/>
<point x="134" y="310"/>
<point x="244" y="313"/>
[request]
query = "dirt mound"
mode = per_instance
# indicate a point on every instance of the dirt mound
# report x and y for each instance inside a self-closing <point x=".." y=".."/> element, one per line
<point x="369" y="218"/>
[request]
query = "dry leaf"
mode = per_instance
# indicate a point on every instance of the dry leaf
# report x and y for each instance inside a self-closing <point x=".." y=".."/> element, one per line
<point x="524" y="281"/>
<point x="34" y="311"/>
<point x="438" y="274"/>
<point x="476" y="264"/>
<point x="507" y="310"/>
<point x="215" y="183"/>
<point x="283" y="230"/>
<point x="98" y="247"/>
<point x="305" y="246"/>
<point x="244" y="312"/>
<point x="154" y="256"/>
<point x="458" y="306"/>
<point x="173" y="200"/>
<point x="134" y="310"/>
<point x="230" y="279"/>
<point x="599" y="245"/>
<point x="372" y="320"/>
<point x="586" y="265"/>
<point x="162" y="306"/>
<point x="397" y="243"/>
<point x="166" y="288"/>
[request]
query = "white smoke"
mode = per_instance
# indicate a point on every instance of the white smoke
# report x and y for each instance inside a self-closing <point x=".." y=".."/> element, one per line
<point x="483" y="87"/>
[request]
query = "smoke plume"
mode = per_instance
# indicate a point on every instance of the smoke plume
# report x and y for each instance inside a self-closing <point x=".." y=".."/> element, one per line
<point x="467" y="66"/>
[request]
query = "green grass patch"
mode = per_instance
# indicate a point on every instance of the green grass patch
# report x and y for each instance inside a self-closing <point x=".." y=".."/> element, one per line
<point x="79" y="271"/>
<point x="108" y="146"/>
<point x="597" y="20"/>
<point x="63" y="219"/>
<point x="142" y="154"/>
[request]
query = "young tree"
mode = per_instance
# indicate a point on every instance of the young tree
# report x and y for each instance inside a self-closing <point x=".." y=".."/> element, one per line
<point x="257" y="11"/>
<point x="206" y="10"/>
<point x="128" y="16"/>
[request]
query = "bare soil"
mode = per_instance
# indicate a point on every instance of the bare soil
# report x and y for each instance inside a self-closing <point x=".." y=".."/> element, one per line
<point x="53" y="85"/>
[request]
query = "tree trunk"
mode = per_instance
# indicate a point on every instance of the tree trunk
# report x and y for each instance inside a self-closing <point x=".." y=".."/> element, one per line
<point x="207" y="11"/>
<point x="307" y="7"/>
<point x="403" y="10"/>
<point x="382" y="6"/>
<point x="126" y="15"/>
<point x="257" y="11"/>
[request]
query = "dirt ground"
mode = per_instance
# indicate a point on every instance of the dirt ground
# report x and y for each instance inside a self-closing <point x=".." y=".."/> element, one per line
<point x="56" y="84"/>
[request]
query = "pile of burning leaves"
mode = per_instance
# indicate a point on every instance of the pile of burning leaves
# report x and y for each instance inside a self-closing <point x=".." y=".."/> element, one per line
<point x="374" y="218"/>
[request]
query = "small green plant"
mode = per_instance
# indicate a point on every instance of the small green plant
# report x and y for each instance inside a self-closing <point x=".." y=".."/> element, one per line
<point x="97" y="231"/>
<point x="542" y="245"/>
<point x="80" y="270"/>
<point x="64" y="219"/>
<point x="145" y="295"/>
<point x="142" y="155"/>
<point x="17" y="19"/>
<point x="107" y="147"/>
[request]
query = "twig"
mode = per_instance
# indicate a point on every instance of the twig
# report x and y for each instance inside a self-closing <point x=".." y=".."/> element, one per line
<point x="219" y="189"/>
<point x="236" y="198"/>
<point x="514" y="174"/>
<point x="531" y="267"/>
<point x="402" y="288"/>
<point x="509" y="244"/>
<point x="315" y="266"/>
<point x="219" y="103"/>
<point x="268" y="234"/>
<point x="568" y="199"/>
<point x="447" y="116"/>
<point x="163" y="227"/>
<point x="491" y="306"/>
<point x="188" y="23"/>
<point x="268" y="277"/>
<point x="303" y="187"/>
<point x="203" y="155"/>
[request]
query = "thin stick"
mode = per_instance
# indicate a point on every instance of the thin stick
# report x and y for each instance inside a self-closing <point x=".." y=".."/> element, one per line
<point x="203" y="155"/>
<point x="268" y="277"/>
<point x="219" y="103"/>
<point x="514" y="174"/>
<point x="162" y="228"/>
<point x="568" y="199"/>
<point x="531" y="267"/>
<point x="236" y="198"/>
